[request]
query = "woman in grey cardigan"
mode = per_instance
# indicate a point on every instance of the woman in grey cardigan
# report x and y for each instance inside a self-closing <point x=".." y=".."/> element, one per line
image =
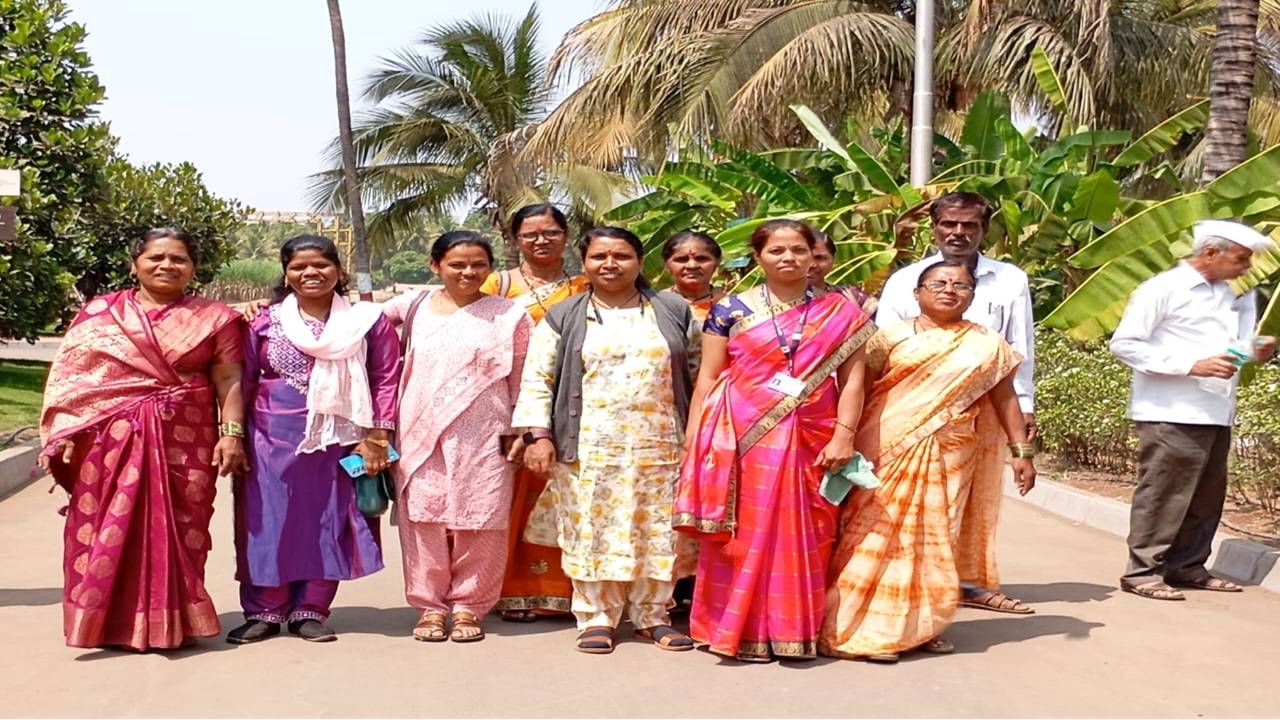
<point x="603" y="402"/>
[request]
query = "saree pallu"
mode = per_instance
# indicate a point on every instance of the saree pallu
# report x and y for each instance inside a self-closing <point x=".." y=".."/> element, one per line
<point x="749" y="486"/>
<point x="933" y="435"/>
<point x="140" y="478"/>
<point x="534" y="579"/>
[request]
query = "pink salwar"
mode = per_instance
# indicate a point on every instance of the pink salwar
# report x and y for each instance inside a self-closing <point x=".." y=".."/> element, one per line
<point x="447" y="570"/>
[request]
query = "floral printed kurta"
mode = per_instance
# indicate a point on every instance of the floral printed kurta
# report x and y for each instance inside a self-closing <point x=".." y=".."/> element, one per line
<point x="610" y="512"/>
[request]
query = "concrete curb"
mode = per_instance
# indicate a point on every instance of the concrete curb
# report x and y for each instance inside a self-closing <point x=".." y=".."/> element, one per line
<point x="16" y="465"/>
<point x="1240" y="559"/>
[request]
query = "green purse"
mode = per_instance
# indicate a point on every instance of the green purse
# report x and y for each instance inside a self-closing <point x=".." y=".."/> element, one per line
<point x="374" y="493"/>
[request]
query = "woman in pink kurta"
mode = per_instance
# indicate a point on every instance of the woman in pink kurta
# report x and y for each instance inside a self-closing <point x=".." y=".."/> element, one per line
<point x="462" y="374"/>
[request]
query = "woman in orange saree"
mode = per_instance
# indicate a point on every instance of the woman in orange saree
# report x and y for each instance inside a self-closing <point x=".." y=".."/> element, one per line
<point x="778" y="396"/>
<point x="129" y="430"/>
<point x="693" y="258"/>
<point x="534" y="583"/>
<point x="940" y="385"/>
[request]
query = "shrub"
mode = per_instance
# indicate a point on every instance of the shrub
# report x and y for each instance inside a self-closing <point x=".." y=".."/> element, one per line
<point x="408" y="267"/>
<point x="1082" y="400"/>
<point x="256" y="272"/>
<point x="1255" y="460"/>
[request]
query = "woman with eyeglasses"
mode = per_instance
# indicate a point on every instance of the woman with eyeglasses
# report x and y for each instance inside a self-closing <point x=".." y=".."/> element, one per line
<point x="534" y="584"/>
<point x="778" y="397"/>
<point x="603" y="400"/>
<point x="940" y="388"/>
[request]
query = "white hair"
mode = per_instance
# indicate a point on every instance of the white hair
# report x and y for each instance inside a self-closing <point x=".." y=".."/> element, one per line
<point x="1204" y="242"/>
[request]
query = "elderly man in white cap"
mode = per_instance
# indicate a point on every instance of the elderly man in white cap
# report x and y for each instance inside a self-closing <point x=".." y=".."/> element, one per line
<point x="1186" y="333"/>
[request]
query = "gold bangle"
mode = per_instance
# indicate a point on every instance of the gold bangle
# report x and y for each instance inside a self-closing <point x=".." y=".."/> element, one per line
<point x="1022" y="451"/>
<point x="231" y="428"/>
<point x="846" y="427"/>
<point x="376" y="441"/>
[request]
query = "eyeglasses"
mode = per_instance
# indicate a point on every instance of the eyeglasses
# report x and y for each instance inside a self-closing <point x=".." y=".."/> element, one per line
<point x="940" y="285"/>
<point x="551" y="235"/>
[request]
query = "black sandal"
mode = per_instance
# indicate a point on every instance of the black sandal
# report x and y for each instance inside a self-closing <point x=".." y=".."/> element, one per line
<point x="596" y="640"/>
<point x="666" y="638"/>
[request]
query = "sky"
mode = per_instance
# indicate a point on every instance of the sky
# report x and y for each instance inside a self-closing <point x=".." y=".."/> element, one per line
<point x="243" y="89"/>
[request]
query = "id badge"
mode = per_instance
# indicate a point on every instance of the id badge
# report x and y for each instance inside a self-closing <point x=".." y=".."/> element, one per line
<point x="787" y="385"/>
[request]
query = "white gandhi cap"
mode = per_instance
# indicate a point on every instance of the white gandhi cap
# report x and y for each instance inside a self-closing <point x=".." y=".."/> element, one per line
<point x="1235" y="232"/>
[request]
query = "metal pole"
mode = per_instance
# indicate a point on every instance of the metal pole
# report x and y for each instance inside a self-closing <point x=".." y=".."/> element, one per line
<point x="922" y="98"/>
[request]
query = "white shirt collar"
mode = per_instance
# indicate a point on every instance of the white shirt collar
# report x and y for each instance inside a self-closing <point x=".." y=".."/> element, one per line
<point x="986" y="266"/>
<point x="1187" y="276"/>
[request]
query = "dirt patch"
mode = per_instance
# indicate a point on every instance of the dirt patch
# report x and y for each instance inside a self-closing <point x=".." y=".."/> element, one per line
<point x="1237" y="517"/>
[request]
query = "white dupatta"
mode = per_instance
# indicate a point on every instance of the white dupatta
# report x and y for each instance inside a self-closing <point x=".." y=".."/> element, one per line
<point x="339" y="403"/>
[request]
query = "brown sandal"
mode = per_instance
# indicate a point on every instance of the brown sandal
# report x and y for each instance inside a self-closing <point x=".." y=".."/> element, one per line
<point x="996" y="601"/>
<point x="666" y="638"/>
<point x="430" y="628"/>
<point x="596" y="640"/>
<point x="463" y="620"/>
<point x="1154" y="590"/>
<point x="1207" y="582"/>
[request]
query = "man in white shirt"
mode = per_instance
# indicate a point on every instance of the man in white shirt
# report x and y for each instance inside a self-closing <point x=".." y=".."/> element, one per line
<point x="1002" y="302"/>
<point x="1185" y="333"/>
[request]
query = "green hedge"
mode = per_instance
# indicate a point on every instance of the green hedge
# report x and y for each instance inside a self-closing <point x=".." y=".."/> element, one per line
<point x="1082" y="400"/>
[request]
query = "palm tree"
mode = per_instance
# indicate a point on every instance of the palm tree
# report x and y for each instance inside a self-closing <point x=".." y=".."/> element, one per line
<point x="728" y="68"/>
<point x="449" y="117"/>
<point x="351" y="184"/>
<point x="1232" y="88"/>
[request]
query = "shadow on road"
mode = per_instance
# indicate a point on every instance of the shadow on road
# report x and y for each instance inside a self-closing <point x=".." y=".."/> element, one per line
<point x="975" y="636"/>
<point x="30" y="597"/>
<point x="1072" y="592"/>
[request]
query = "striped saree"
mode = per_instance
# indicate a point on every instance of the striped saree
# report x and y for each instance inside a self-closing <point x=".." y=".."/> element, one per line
<point x="749" y="485"/>
<point x="939" y="452"/>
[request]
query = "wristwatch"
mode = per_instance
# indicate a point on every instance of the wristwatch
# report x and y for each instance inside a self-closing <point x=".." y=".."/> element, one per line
<point x="532" y="436"/>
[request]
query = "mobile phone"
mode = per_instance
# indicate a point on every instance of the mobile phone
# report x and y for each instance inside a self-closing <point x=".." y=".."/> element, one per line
<point x="354" y="464"/>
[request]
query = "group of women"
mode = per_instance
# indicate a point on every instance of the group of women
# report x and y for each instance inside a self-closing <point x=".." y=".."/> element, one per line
<point x="567" y="443"/>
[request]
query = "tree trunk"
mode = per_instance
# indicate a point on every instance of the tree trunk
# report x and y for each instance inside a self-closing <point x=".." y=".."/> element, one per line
<point x="364" y="281"/>
<point x="1231" y="86"/>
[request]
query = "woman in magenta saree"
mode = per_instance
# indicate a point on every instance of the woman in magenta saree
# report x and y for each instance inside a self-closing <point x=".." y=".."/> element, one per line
<point x="129" y="430"/>
<point x="762" y="430"/>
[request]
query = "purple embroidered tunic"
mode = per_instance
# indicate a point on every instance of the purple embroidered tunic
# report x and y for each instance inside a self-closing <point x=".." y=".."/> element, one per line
<point x="296" y="517"/>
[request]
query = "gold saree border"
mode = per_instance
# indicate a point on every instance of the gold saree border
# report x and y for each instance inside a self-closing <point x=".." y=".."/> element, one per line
<point x="786" y="405"/>
<point x="535" y="602"/>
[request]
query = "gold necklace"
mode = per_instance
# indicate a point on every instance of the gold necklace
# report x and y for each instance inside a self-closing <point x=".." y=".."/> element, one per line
<point x="564" y="277"/>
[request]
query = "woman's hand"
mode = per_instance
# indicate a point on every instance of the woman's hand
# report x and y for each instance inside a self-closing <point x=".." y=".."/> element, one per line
<point x="251" y="309"/>
<point x="1024" y="474"/>
<point x="540" y="456"/>
<point x="838" y="452"/>
<point x="515" y="455"/>
<point x="229" y="456"/>
<point x="62" y="451"/>
<point x="374" y="455"/>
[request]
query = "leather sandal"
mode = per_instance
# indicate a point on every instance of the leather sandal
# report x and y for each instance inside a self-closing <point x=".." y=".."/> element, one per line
<point x="430" y="628"/>
<point x="596" y="640"/>
<point x="1206" y="582"/>
<point x="666" y="638"/>
<point x="463" y="620"/>
<point x="1155" y="590"/>
<point x="996" y="601"/>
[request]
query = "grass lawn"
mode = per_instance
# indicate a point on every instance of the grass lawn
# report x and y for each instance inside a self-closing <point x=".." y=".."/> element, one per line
<point x="21" y="388"/>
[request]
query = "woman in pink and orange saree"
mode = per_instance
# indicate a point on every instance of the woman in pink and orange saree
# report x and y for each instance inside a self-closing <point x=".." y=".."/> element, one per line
<point x="130" y="430"/>
<point x="778" y="396"/>
<point x="939" y="406"/>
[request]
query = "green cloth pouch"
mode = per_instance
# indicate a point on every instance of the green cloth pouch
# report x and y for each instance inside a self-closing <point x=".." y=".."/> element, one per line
<point x="837" y="483"/>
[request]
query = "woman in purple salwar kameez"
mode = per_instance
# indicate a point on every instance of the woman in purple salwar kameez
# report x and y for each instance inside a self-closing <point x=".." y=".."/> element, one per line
<point x="321" y="376"/>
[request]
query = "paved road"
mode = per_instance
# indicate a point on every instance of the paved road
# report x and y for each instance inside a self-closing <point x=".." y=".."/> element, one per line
<point x="42" y="350"/>
<point x="1090" y="651"/>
